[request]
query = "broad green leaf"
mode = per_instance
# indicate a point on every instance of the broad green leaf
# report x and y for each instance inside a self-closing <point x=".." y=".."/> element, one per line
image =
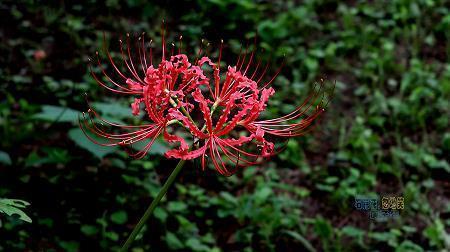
<point x="408" y="246"/>
<point x="331" y="180"/>
<point x="436" y="233"/>
<point x="352" y="231"/>
<point x="81" y="140"/>
<point x="118" y="163"/>
<point x="12" y="207"/>
<point x="33" y="159"/>
<point x="229" y="198"/>
<point x="114" y="109"/>
<point x="70" y="246"/>
<point x="196" y="245"/>
<point x="57" y="114"/>
<point x="262" y="194"/>
<point x="89" y="230"/>
<point x="323" y="228"/>
<point x="119" y="217"/>
<point x="176" y="206"/>
<point x="301" y="239"/>
<point x="380" y="236"/>
<point x="159" y="147"/>
<point x="161" y="214"/>
<point x="112" y="235"/>
<point x="4" y="158"/>
<point x="173" y="242"/>
<point x="446" y="141"/>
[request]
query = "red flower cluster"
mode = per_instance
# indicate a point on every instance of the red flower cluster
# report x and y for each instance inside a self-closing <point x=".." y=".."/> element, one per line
<point x="206" y="111"/>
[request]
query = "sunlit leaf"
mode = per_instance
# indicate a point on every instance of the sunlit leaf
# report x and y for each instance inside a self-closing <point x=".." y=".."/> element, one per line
<point x="301" y="239"/>
<point x="159" y="147"/>
<point x="113" y="109"/>
<point x="81" y="140"/>
<point x="4" y="158"/>
<point x="12" y="207"/>
<point x="119" y="217"/>
<point x="57" y="114"/>
<point x="173" y="242"/>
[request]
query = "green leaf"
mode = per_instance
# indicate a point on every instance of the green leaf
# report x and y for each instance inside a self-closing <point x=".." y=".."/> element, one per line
<point x="70" y="246"/>
<point x="196" y="245"/>
<point x="173" y="242"/>
<point x="326" y="188"/>
<point x="354" y="232"/>
<point x="323" y="228"/>
<point x="159" y="147"/>
<point x="119" y="217"/>
<point x="57" y="114"/>
<point x="81" y="140"/>
<point x="118" y="163"/>
<point x="12" y="207"/>
<point x="176" y="206"/>
<point x="89" y="230"/>
<point x="160" y="214"/>
<point x="262" y="194"/>
<point x="446" y="141"/>
<point x="33" y="159"/>
<point x="408" y="246"/>
<point x="114" y="109"/>
<point x="112" y="236"/>
<point x="4" y="158"/>
<point x="57" y="155"/>
<point x="229" y="198"/>
<point x="380" y="236"/>
<point x="331" y="180"/>
<point x="301" y="239"/>
<point x="436" y="233"/>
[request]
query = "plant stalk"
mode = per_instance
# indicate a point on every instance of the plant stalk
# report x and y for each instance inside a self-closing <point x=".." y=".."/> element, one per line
<point x="152" y="206"/>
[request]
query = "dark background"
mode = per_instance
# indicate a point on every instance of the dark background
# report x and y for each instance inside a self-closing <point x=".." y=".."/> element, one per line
<point x="386" y="132"/>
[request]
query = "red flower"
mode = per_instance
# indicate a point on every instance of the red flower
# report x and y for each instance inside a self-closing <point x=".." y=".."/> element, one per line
<point x="229" y="132"/>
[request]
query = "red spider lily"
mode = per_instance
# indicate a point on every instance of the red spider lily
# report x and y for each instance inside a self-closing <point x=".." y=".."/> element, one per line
<point x="229" y="133"/>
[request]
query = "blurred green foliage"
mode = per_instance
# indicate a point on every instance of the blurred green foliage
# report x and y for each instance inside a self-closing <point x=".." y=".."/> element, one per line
<point x="385" y="132"/>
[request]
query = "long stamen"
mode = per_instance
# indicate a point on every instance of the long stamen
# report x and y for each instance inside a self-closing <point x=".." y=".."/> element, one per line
<point x="126" y="62"/>
<point x="239" y="66"/>
<point x="251" y="57"/>
<point x="143" y="49"/>
<point x="110" y="58"/>
<point x="200" y="51"/>
<point x="274" y="76"/>
<point x="101" y="83"/>
<point x="111" y="80"/>
<point x="180" y="44"/>
<point x="151" y="52"/>
<point x="131" y="59"/>
<point x="163" y="41"/>
<point x="217" y="81"/>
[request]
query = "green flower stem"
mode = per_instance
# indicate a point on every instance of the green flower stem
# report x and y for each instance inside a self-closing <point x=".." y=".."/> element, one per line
<point x="152" y="206"/>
